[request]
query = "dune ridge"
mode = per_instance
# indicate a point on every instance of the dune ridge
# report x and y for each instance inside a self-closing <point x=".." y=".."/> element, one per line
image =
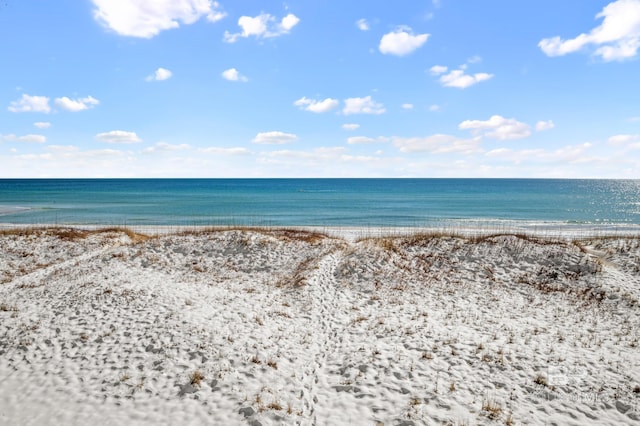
<point x="292" y="326"/>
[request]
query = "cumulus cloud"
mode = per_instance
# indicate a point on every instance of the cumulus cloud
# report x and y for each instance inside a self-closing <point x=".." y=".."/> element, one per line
<point x="362" y="24"/>
<point x="28" y="103"/>
<point x="317" y="106"/>
<point x="544" y="125"/>
<point x="616" y="38"/>
<point x="434" y="108"/>
<point x="401" y="42"/>
<point x="225" y="151"/>
<point x="160" y="74"/>
<point x="350" y="126"/>
<point x="407" y="106"/>
<point x="364" y="105"/>
<point x="118" y="136"/>
<point x="262" y="26"/>
<point x="147" y="18"/>
<point x="458" y="78"/>
<point x="232" y="74"/>
<point x="274" y="138"/>
<point x="42" y="124"/>
<point x="75" y="105"/>
<point x="438" y="69"/>
<point x="25" y="138"/>
<point x="498" y="127"/>
<point x="165" y="147"/>
<point x="438" y="144"/>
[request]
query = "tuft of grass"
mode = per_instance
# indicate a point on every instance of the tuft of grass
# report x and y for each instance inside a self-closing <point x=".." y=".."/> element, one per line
<point x="540" y="379"/>
<point x="8" y="308"/>
<point x="196" y="378"/>
<point x="492" y="408"/>
<point x="275" y="405"/>
<point x="509" y="420"/>
<point x="427" y="355"/>
<point x="273" y="364"/>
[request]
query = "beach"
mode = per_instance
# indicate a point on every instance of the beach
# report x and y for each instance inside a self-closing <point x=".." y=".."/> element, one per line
<point x="296" y="326"/>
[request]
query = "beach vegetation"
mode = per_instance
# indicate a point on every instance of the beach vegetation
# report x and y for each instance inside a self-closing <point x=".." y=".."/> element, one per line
<point x="196" y="378"/>
<point x="4" y="307"/>
<point x="540" y="379"/>
<point x="492" y="408"/>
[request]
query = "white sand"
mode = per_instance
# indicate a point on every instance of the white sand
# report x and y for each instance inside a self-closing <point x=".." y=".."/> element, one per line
<point x="289" y="328"/>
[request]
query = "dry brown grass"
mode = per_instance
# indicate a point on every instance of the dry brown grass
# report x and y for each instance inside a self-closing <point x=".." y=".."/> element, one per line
<point x="492" y="408"/>
<point x="284" y="234"/>
<point x="540" y="379"/>
<point x="196" y="378"/>
<point x="8" y="308"/>
<point x="71" y="233"/>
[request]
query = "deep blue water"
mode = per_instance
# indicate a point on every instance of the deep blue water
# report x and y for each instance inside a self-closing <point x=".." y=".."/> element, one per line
<point x="320" y="202"/>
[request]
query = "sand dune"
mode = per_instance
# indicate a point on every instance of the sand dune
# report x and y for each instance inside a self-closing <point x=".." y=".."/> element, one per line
<point x="294" y="327"/>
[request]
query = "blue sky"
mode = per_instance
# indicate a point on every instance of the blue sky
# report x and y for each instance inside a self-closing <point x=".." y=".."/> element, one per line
<point x="320" y="88"/>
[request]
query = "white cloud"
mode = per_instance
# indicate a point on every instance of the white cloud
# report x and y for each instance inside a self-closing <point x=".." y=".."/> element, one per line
<point x="434" y="108"/>
<point x="160" y="74"/>
<point x="232" y="74"/>
<point x="474" y="59"/>
<point x="407" y="106"/>
<point x="165" y="147"/>
<point x="362" y="24"/>
<point x="634" y="119"/>
<point x="118" y="136"/>
<point x="147" y="18"/>
<point x="544" y="125"/>
<point x="29" y="103"/>
<point x="274" y="138"/>
<point x="25" y="138"/>
<point x="364" y="105"/>
<point x="625" y="141"/>
<point x="438" y="144"/>
<point x="42" y="124"/>
<point x="317" y="106"/>
<point x="401" y="42"/>
<point x="350" y="126"/>
<point x="573" y="154"/>
<point x="356" y="140"/>
<point x="262" y="26"/>
<point x="438" y="69"/>
<point x="75" y="105"/>
<point x="225" y="151"/>
<point x="458" y="78"/>
<point x="498" y="127"/>
<point x="617" y="38"/>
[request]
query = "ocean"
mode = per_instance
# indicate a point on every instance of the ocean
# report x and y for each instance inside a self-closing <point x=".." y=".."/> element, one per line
<point x="449" y="203"/>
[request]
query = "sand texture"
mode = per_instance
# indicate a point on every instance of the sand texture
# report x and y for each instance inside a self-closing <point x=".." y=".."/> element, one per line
<point x="291" y="327"/>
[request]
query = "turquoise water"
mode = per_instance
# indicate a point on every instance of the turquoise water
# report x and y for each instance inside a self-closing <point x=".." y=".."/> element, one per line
<point x="321" y="202"/>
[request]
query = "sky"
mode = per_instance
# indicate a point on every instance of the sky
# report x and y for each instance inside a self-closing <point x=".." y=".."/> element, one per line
<point x="320" y="88"/>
